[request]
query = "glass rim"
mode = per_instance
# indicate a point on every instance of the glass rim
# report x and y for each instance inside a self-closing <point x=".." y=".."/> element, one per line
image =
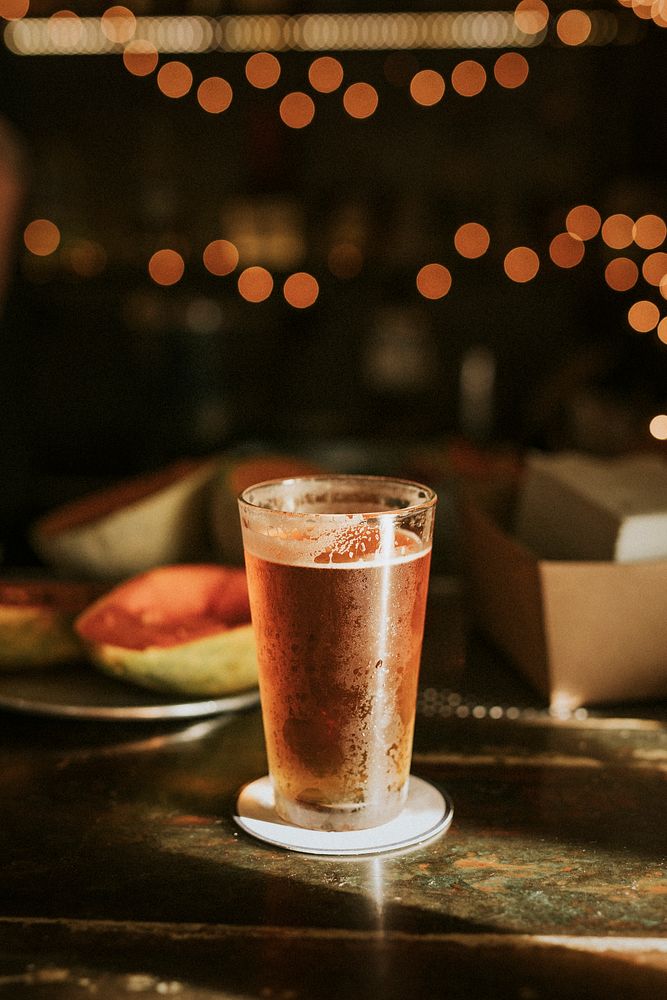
<point x="413" y="508"/>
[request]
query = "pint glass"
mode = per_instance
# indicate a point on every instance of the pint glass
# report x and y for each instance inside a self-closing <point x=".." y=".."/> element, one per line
<point x="338" y="574"/>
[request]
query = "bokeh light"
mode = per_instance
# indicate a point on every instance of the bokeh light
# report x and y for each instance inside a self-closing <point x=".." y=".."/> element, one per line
<point x="118" y="24"/>
<point x="583" y="221"/>
<point x="297" y="109"/>
<point x="41" y="237"/>
<point x="433" y="281"/>
<point x="262" y="70"/>
<point x="65" y="29"/>
<point x="617" y="231"/>
<point x="621" y="274"/>
<point x="427" y="87"/>
<point x="662" y="330"/>
<point x="468" y="78"/>
<point x="521" y="264"/>
<point x="658" y="427"/>
<point x="255" y="284"/>
<point x="166" y="267"/>
<point x="325" y="74"/>
<point x="214" y="95"/>
<point x="140" y="58"/>
<point x="510" y="70"/>
<point x="345" y="260"/>
<point x="174" y="79"/>
<point x="654" y="267"/>
<point x="531" y="16"/>
<point x="301" y="290"/>
<point x="14" y="10"/>
<point x="472" y="239"/>
<point x="360" y="100"/>
<point x="566" y="250"/>
<point x="220" y="257"/>
<point x="649" y="232"/>
<point x="643" y="316"/>
<point x="573" y="27"/>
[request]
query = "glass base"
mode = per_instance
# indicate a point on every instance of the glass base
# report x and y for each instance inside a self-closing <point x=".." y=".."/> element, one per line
<point x="427" y="813"/>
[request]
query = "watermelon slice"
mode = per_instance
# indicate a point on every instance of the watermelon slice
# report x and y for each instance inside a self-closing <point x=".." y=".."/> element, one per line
<point x="37" y="622"/>
<point x="180" y="628"/>
<point x="151" y="520"/>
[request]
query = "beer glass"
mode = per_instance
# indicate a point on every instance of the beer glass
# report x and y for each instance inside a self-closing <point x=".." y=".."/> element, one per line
<point x="337" y="572"/>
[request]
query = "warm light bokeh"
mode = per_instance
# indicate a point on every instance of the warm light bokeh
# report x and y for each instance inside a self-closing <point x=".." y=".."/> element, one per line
<point x="566" y="250"/>
<point x="468" y="78"/>
<point x="118" y="24"/>
<point x="301" y="290"/>
<point x="573" y="27"/>
<point x="41" y="237"/>
<point x="654" y="268"/>
<point x="621" y="274"/>
<point x="433" y="281"/>
<point x="65" y="29"/>
<point x="14" y="10"/>
<point x="325" y="74"/>
<point x="531" y="16"/>
<point x="262" y="70"/>
<point x="87" y="258"/>
<point x="297" y="109"/>
<point x="617" y="231"/>
<point x="583" y="221"/>
<point x="427" y="87"/>
<point x="662" y="330"/>
<point x="255" y="284"/>
<point x="214" y="95"/>
<point x="643" y="316"/>
<point x="658" y="427"/>
<point x="510" y="70"/>
<point x="166" y="267"/>
<point x="472" y="239"/>
<point x="174" y="79"/>
<point x="521" y="264"/>
<point x="220" y="257"/>
<point x="649" y="232"/>
<point x="140" y="58"/>
<point x="360" y="100"/>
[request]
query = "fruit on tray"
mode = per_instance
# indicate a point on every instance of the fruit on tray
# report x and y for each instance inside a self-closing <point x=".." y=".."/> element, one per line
<point x="180" y="628"/>
<point x="235" y="475"/>
<point x="152" y="520"/>
<point x="37" y="622"/>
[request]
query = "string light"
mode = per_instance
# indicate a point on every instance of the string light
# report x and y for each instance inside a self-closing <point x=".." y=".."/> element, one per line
<point x="583" y="221"/>
<point x="214" y="95"/>
<point x="262" y="70"/>
<point x="468" y="78"/>
<point x="41" y="237"/>
<point x="255" y="284"/>
<point x="649" y="231"/>
<point x="433" y="281"/>
<point x="166" y="267"/>
<point x="521" y="264"/>
<point x="643" y="316"/>
<point x="297" y="110"/>
<point x="573" y="27"/>
<point x="472" y="239"/>
<point x="566" y="250"/>
<point x="301" y="290"/>
<point x="658" y="427"/>
<point x="360" y="100"/>
<point x="174" y="79"/>
<point x="325" y="74"/>
<point x="654" y="268"/>
<point x="510" y="70"/>
<point x="621" y="274"/>
<point x="427" y="87"/>
<point x="220" y="257"/>
<point x="140" y="58"/>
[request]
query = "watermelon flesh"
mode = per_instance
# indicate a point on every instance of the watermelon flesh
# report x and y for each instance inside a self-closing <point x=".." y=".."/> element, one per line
<point x="182" y="628"/>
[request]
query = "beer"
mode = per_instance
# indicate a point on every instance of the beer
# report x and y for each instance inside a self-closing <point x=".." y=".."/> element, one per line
<point x="339" y="633"/>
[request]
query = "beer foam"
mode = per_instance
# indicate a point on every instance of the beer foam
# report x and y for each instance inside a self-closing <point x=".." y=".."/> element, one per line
<point x="357" y="543"/>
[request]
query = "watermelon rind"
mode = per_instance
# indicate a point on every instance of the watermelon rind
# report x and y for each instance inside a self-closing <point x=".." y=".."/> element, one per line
<point x="214" y="666"/>
<point x="36" y="637"/>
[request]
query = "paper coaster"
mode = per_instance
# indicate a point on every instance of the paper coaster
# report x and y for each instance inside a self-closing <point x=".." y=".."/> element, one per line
<point x="427" y="813"/>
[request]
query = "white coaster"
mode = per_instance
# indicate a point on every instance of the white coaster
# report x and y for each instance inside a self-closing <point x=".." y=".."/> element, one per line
<point x="427" y="813"/>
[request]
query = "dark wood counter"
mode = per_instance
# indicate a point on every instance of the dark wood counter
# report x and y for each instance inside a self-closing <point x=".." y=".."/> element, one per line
<point x="124" y="874"/>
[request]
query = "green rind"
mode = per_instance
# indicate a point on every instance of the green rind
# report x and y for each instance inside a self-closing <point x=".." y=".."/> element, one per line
<point x="31" y="638"/>
<point x="214" y="666"/>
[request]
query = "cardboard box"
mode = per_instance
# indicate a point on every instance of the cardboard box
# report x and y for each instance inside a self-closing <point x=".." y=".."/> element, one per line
<point x="582" y="633"/>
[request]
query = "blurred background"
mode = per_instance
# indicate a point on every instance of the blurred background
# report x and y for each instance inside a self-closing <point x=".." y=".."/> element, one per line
<point x="353" y="231"/>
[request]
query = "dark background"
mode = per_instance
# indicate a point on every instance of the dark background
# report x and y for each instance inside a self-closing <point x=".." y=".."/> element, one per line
<point x="110" y="375"/>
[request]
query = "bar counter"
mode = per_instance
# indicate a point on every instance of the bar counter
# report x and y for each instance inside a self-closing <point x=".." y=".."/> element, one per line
<point x="124" y="874"/>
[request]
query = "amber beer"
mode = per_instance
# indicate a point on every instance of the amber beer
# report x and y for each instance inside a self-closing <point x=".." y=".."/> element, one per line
<point x="338" y="600"/>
